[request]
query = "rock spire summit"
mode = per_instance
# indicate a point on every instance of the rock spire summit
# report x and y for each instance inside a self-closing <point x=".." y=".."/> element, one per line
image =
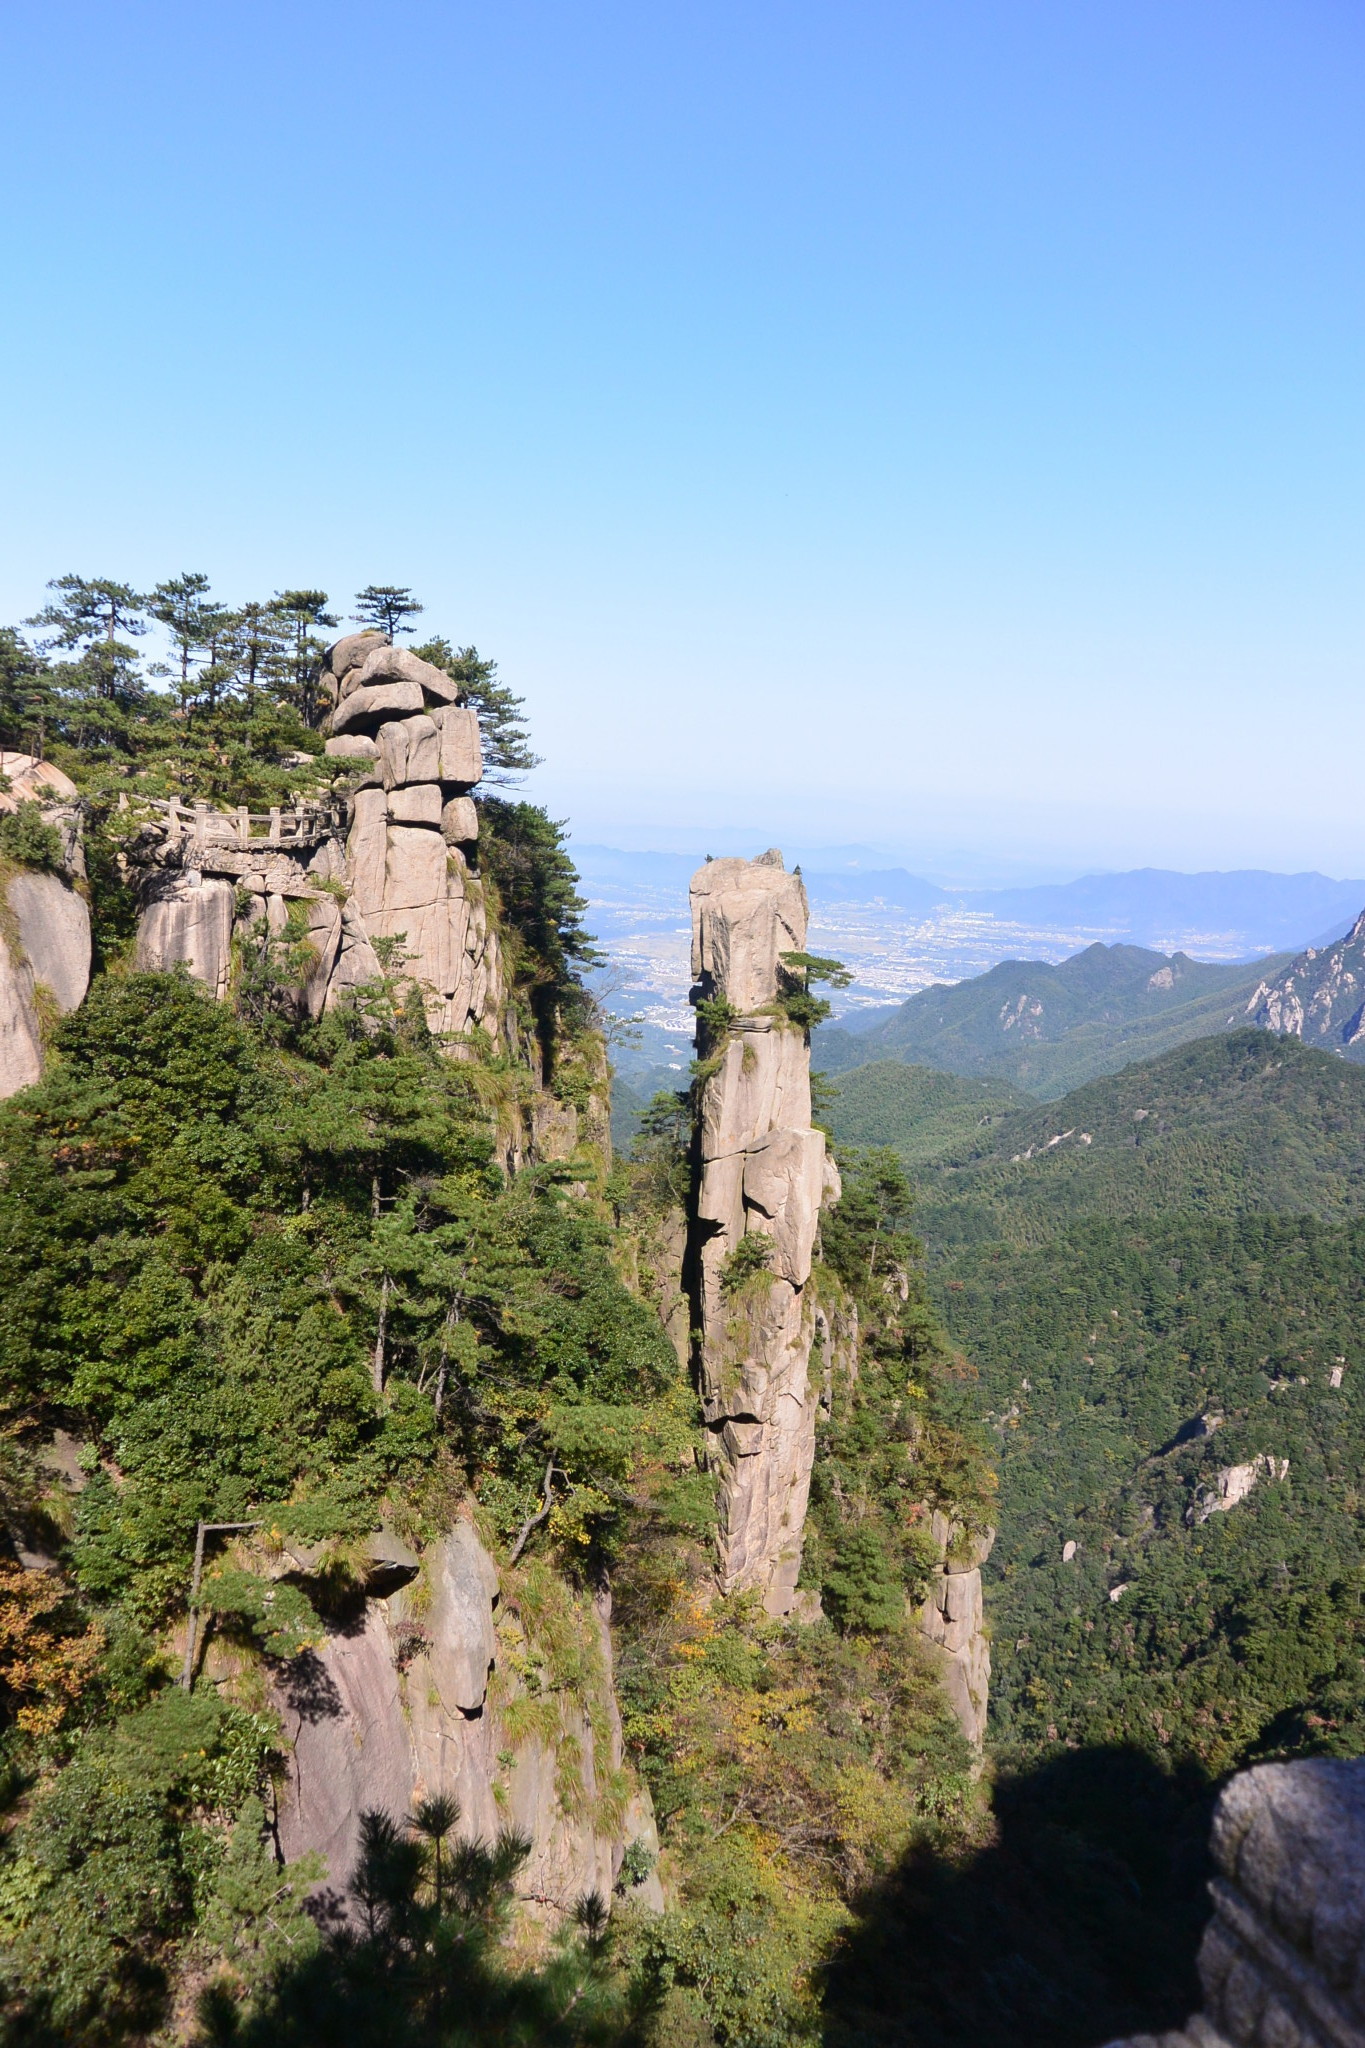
<point x="761" y="1175"/>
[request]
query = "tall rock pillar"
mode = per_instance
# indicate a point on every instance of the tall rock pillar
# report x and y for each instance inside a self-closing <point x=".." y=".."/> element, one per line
<point x="761" y="1172"/>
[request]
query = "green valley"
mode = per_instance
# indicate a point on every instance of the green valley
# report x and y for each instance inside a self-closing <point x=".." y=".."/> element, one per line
<point x="1046" y="1029"/>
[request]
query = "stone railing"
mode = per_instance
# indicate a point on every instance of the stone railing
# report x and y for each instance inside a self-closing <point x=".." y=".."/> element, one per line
<point x="201" y="829"/>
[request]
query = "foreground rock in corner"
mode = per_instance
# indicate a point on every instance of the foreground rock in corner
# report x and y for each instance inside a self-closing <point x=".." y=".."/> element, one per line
<point x="1283" y="1958"/>
<point x="762" y="1173"/>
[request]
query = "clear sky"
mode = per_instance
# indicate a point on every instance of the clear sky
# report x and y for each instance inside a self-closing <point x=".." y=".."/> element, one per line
<point x="937" y="425"/>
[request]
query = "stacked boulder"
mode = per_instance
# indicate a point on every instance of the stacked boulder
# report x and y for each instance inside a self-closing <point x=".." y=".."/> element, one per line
<point x="1283" y="1958"/>
<point x="44" y="923"/>
<point x="400" y="721"/>
<point x="761" y="1171"/>
<point x="394" y="861"/>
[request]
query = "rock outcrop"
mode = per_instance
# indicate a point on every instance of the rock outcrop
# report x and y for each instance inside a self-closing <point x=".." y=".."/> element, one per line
<point x="392" y="857"/>
<point x="953" y="1619"/>
<point x="44" y="925"/>
<point x="761" y="1174"/>
<point x="421" y="1693"/>
<point x="1320" y="997"/>
<point x="1282" y="1963"/>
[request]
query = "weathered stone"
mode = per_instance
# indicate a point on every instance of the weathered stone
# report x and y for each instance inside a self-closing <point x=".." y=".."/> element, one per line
<point x="414" y="868"/>
<point x="21" y="1049"/>
<point x="408" y="752"/>
<point x="745" y="914"/>
<point x="324" y="946"/>
<point x="352" y="651"/>
<point x="351" y="746"/>
<point x="464" y="1586"/>
<point x="400" y="664"/>
<point x="187" y="919"/>
<point x="32" y="780"/>
<point x="461" y="749"/>
<point x="357" y="963"/>
<point x="460" y="821"/>
<point x="342" y="1715"/>
<point x="762" y="1170"/>
<point x="367" y="849"/>
<point x="763" y="1084"/>
<point x="54" y="932"/>
<point x="1282" y="1962"/>
<point x="418" y="803"/>
<point x="783" y="1177"/>
<point x="373" y="707"/>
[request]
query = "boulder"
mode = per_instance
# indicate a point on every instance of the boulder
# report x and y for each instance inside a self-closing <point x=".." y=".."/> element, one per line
<point x="1282" y="1962"/>
<point x="414" y="868"/>
<point x="399" y="664"/>
<point x="372" y="707"/>
<point x="351" y="746"/>
<point x="460" y="821"/>
<point x="187" y="919"/>
<point x="418" y="803"/>
<point x="353" y="650"/>
<point x="33" y="781"/>
<point x="409" y="751"/>
<point x="461" y="748"/>
<point x="745" y="913"/>
<point x="367" y="849"/>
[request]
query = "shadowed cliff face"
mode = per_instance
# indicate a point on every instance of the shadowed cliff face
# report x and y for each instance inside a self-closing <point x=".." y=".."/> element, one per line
<point x="762" y="1175"/>
<point x="1079" y="1920"/>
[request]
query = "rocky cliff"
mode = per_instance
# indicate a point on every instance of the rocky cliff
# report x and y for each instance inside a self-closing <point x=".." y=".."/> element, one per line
<point x="1320" y="997"/>
<point x="761" y="1176"/>
<point x="44" y="922"/>
<point x="953" y="1619"/>
<point x="1283" y="1958"/>
<point x="391" y="857"/>
<point x="436" y="1680"/>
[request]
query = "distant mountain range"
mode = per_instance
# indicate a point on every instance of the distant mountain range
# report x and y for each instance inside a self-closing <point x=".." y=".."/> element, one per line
<point x="1045" y="1029"/>
<point x="1249" y="909"/>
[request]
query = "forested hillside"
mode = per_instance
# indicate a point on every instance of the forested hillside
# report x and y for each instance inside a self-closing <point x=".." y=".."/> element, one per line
<point x="1159" y="1282"/>
<point x="1046" y="1029"/>
<point x="312" y="1278"/>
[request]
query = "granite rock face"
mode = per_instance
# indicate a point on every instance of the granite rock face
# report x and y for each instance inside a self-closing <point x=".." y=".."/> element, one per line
<point x="1283" y="1959"/>
<point x="390" y="859"/>
<point x="409" y="1700"/>
<point x="952" y="1617"/>
<point x="1319" y="997"/>
<point x="761" y="1173"/>
<point x="44" y="926"/>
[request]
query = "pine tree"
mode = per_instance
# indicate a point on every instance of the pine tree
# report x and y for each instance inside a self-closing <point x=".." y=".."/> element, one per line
<point x="389" y="606"/>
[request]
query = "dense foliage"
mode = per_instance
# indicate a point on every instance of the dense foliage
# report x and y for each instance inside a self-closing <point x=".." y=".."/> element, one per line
<point x="1157" y="1280"/>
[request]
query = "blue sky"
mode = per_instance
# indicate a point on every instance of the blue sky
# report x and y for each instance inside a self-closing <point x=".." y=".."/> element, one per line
<point x="932" y="426"/>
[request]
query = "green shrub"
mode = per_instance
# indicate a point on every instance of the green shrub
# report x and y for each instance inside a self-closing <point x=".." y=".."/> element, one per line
<point x="862" y="1592"/>
<point x="27" y="839"/>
